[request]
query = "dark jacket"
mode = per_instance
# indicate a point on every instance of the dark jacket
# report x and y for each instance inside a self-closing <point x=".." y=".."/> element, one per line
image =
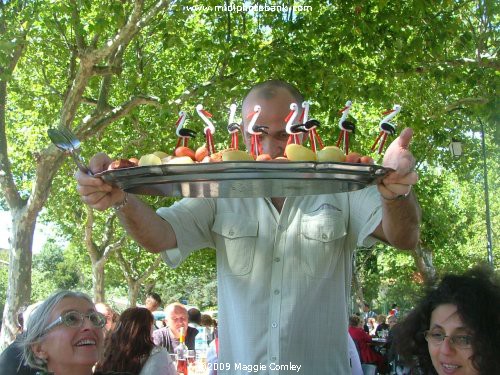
<point x="162" y="337"/>
<point x="10" y="360"/>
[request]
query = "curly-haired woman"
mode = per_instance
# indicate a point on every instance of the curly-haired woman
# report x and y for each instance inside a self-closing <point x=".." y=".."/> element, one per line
<point x="455" y="329"/>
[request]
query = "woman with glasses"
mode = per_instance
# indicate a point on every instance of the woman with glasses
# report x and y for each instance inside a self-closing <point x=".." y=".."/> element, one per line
<point x="64" y="335"/>
<point x="130" y="347"/>
<point x="455" y="329"/>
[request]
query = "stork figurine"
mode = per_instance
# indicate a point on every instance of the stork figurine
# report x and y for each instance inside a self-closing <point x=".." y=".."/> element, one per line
<point x="255" y="131"/>
<point x="209" y="128"/>
<point x="232" y="127"/>
<point x="183" y="134"/>
<point x="310" y="126"/>
<point x="293" y="129"/>
<point x="386" y="127"/>
<point x="345" y="126"/>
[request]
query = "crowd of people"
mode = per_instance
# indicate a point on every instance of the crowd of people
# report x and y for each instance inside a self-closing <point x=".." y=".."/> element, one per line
<point x="69" y="334"/>
<point x="454" y="329"/>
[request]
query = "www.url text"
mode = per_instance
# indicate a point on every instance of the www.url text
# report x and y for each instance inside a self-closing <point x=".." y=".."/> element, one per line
<point x="247" y="8"/>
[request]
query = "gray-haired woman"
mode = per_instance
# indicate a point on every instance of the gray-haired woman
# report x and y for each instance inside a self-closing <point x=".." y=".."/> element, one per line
<point x="64" y="335"/>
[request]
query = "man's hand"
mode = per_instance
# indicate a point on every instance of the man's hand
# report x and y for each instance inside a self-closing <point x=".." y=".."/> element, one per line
<point x="94" y="191"/>
<point x="399" y="158"/>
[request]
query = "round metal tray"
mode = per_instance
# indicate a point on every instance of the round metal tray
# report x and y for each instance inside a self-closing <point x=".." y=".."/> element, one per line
<point x="245" y="179"/>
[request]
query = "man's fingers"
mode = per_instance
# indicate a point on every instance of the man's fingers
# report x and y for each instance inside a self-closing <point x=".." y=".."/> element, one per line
<point x="398" y="189"/>
<point x="395" y="178"/>
<point x="99" y="162"/>
<point x="405" y="138"/>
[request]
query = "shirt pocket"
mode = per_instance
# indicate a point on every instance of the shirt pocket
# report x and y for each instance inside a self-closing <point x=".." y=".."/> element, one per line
<point x="322" y="238"/>
<point x="236" y="236"/>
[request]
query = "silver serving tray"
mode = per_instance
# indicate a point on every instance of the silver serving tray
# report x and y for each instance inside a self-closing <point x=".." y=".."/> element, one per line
<point x="244" y="179"/>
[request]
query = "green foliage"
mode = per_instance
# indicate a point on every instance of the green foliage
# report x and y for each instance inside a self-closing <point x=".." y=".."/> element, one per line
<point x="437" y="59"/>
<point x="54" y="269"/>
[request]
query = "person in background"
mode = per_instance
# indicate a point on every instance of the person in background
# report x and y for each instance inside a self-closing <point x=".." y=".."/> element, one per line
<point x="372" y="326"/>
<point x="367" y="314"/>
<point x="176" y="317"/>
<point x="381" y="325"/>
<point x="110" y="315"/>
<point x="362" y="341"/>
<point x="208" y="323"/>
<point x="64" y="335"/>
<point x="455" y="328"/>
<point x="194" y="317"/>
<point x="394" y="310"/>
<point x="272" y="251"/>
<point x="153" y="302"/>
<point x="130" y="347"/>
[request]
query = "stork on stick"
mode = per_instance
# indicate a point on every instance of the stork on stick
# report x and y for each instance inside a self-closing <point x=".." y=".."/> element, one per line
<point x="345" y="126"/>
<point x="182" y="133"/>
<point x="310" y="126"/>
<point x="386" y="127"/>
<point x="209" y="128"/>
<point x="232" y="127"/>
<point x="293" y="129"/>
<point x="255" y="131"/>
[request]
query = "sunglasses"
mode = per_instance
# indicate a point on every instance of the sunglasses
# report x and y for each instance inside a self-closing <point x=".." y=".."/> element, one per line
<point x="74" y="319"/>
<point x="458" y="341"/>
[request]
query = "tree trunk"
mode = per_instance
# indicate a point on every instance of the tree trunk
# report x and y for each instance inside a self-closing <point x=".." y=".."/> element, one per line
<point x="19" y="285"/>
<point x="423" y="261"/>
<point x="98" y="281"/>
<point x="133" y="292"/>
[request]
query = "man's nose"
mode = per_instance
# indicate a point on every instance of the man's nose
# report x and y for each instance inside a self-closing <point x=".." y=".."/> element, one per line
<point x="272" y="147"/>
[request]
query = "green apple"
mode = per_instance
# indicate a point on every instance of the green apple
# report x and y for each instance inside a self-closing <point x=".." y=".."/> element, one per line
<point x="331" y="154"/>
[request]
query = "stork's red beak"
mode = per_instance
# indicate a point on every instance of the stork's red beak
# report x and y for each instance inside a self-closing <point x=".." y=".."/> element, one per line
<point x="250" y="115"/>
<point x="343" y="109"/>
<point x="178" y="121"/>
<point x="208" y="114"/>
<point x="289" y="115"/>
<point x="387" y="112"/>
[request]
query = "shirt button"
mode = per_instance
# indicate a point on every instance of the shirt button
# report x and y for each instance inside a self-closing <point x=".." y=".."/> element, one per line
<point x="277" y="259"/>
<point x="274" y="358"/>
<point x="274" y="325"/>
<point x="280" y="227"/>
<point x="276" y="291"/>
<point x="231" y="233"/>
<point x="324" y="236"/>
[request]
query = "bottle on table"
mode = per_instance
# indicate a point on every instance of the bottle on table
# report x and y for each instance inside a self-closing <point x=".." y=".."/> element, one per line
<point x="181" y="351"/>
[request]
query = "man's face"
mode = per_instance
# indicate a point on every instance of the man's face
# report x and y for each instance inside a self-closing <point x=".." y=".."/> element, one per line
<point x="273" y="114"/>
<point x="151" y="304"/>
<point x="176" y="319"/>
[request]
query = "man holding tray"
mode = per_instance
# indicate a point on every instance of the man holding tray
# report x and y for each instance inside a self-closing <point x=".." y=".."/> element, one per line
<point x="284" y="264"/>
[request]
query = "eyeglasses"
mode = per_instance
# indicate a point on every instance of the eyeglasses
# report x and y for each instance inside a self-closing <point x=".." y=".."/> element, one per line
<point x="74" y="319"/>
<point x="459" y="341"/>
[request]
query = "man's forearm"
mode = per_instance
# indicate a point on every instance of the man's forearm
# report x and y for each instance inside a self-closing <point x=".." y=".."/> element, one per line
<point x="145" y="226"/>
<point x="401" y="222"/>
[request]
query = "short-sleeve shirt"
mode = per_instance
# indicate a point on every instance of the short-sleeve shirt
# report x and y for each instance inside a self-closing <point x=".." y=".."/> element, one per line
<point x="283" y="279"/>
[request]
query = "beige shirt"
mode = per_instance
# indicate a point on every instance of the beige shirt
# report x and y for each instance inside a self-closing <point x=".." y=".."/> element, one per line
<point x="283" y="279"/>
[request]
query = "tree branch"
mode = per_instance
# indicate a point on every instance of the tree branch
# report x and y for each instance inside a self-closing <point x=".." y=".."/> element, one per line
<point x="150" y="269"/>
<point x="92" y="125"/>
<point x="89" y="243"/>
<point x="127" y="272"/>
<point x="106" y="70"/>
<point x="109" y="230"/>
<point x="7" y="183"/>
<point x="113" y="247"/>
<point x="77" y="26"/>
<point x="130" y="29"/>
